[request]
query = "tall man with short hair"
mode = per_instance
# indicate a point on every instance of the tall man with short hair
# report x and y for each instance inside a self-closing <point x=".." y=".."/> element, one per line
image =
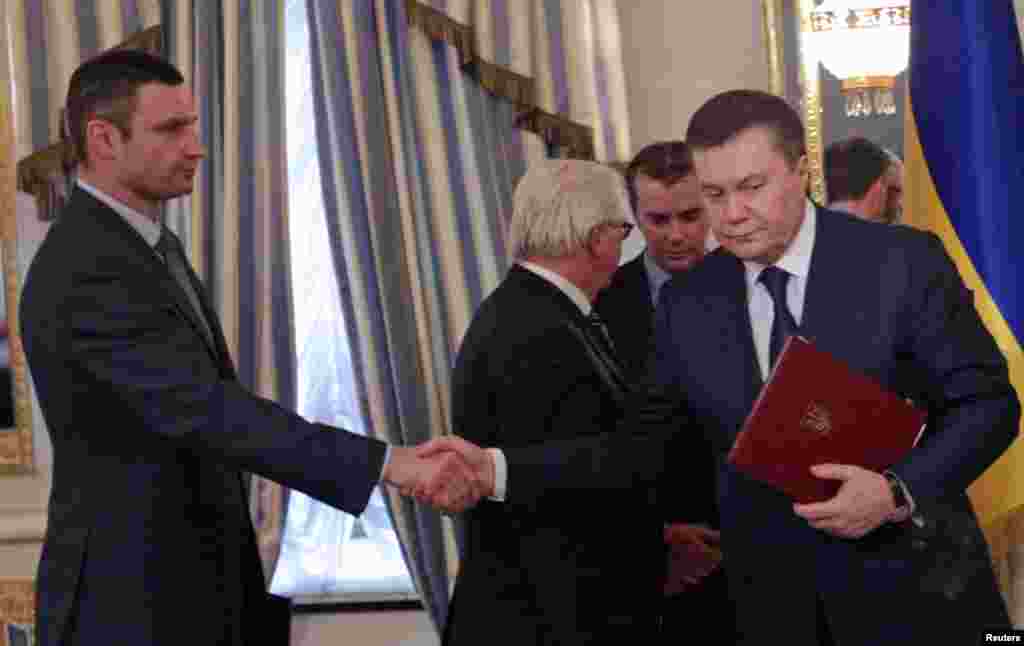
<point x="148" y="539"/>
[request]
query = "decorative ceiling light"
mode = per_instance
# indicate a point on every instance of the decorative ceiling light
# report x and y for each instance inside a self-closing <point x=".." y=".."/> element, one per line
<point x="865" y="43"/>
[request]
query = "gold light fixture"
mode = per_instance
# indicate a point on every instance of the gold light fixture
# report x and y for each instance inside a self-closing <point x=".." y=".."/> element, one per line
<point x="864" y="43"/>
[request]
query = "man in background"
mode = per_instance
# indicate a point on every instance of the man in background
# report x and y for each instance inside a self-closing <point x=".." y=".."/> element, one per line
<point x="894" y="188"/>
<point x="148" y="538"/>
<point x="666" y="200"/>
<point x="862" y="179"/>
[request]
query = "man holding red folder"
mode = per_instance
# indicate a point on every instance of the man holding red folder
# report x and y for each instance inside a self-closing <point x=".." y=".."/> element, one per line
<point x="888" y="302"/>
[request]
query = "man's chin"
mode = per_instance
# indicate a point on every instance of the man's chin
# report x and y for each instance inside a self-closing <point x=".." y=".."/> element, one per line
<point x="178" y="192"/>
<point x="748" y="251"/>
<point x="673" y="265"/>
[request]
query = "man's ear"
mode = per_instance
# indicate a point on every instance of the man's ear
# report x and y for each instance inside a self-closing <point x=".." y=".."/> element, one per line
<point x="803" y="168"/>
<point x="103" y="139"/>
<point x="874" y="200"/>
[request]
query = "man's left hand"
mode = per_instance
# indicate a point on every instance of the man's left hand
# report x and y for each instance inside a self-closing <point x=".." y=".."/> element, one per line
<point x="864" y="502"/>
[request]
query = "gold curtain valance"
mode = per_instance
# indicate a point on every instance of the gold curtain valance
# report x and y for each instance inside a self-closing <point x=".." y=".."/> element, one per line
<point x="575" y="138"/>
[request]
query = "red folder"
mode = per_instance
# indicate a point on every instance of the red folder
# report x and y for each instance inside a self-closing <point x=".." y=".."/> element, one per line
<point x="815" y="409"/>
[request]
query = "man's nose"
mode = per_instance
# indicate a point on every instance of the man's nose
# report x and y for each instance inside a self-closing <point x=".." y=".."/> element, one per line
<point x="195" y="150"/>
<point x="677" y="230"/>
<point x="735" y="209"/>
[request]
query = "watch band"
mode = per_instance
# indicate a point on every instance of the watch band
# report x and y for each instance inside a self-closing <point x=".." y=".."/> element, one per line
<point x="899" y="494"/>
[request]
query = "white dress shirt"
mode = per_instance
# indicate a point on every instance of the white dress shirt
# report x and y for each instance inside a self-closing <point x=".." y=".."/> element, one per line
<point x="146" y="227"/>
<point x="797" y="262"/>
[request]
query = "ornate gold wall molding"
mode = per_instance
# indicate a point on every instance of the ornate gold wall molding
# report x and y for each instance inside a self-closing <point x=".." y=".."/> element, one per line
<point x="16" y="445"/>
<point x="776" y="15"/>
<point x="811" y="84"/>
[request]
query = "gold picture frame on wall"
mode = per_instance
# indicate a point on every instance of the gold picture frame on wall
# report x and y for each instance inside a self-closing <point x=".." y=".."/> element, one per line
<point x="41" y="175"/>
<point x="794" y="75"/>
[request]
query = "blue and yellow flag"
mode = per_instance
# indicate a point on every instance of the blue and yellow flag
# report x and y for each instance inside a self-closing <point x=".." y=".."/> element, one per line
<point x="965" y="180"/>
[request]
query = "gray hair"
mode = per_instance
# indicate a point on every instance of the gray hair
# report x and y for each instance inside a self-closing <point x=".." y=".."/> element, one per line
<point x="559" y="202"/>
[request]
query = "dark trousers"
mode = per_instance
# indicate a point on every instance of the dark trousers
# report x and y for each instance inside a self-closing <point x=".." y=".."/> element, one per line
<point x="704" y="609"/>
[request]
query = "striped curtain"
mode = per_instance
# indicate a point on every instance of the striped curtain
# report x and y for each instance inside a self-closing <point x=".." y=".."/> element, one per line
<point x="47" y="41"/>
<point x="236" y="221"/>
<point x="418" y="166"/>
<point x="577" y="64"/>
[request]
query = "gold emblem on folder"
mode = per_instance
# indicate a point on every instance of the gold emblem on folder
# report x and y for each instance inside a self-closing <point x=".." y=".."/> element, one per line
<point x="816" y="419"/>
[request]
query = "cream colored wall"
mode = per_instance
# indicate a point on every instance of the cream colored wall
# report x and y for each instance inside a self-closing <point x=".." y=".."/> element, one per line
<point x="678" y="53"/>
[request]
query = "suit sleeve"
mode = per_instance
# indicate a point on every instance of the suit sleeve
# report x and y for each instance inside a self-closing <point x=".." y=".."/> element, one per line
<point x="139" y="357"/>
<point x="629" y="457"/>
<point x="975" y="412"/>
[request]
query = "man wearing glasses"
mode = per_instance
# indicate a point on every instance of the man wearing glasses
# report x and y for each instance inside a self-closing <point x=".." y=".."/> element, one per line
<point x="541" y="563"/>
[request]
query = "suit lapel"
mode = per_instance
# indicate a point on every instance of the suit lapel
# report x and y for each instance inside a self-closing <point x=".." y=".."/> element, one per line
<point x="640" y="285"/>
<point x="740" y="358"/>
<point x="605" y="363"/>
<point x="828" y="321"/>
<point x="220" y="345"/>
<point x="128" y="240"/>
<point x="718" y="343"/>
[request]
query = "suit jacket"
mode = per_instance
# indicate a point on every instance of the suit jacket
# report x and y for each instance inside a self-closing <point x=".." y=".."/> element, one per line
<point x="627" y="310"/>
<point x="882" y="299"/>
<point x="626" y="307"/>
<point x="148" y="538"/>
<point x="550" y="565"/>
<point x="688" y="494"/>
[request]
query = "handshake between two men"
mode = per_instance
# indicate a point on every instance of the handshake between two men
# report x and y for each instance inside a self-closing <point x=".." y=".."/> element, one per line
<point x="452" y="475"/>
<point x="448" y="473"/>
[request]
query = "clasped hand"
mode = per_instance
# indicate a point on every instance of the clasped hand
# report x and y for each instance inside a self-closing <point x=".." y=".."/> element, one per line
<point x="447" y="473"/>
<point x="863" y="502"/>
<point x="693" y="553"/>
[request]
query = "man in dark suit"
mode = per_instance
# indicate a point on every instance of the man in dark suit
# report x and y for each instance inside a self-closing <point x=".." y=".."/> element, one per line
<point x="148" y="538"/>
<point x="666" y="201"/>
<point x="858" y="174"/>
<point x="553" y="566"/>
<point x="888" y="301"/>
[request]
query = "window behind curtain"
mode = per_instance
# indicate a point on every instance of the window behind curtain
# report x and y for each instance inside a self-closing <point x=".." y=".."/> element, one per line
<point x="326" y="555"/>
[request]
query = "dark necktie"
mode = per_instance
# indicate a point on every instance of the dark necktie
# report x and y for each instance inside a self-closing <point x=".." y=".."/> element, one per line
<point x="597" y="324"/>
<point x="169" y="246"/>
<point x="783" y="324"/>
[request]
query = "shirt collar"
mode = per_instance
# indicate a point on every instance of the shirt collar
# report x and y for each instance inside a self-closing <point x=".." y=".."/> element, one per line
<point x="796" y="260"/>
<point x="574" y="293"/>
<point x="656" y="276"/>
<point x="148" y="229"/>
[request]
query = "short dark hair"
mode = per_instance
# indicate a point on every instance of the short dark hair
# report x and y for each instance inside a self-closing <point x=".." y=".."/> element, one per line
<point x="108" y="85"/>
<point x="726" y="115"/>
<point x="665" y="161"/>
<point x="852" y="166"/>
